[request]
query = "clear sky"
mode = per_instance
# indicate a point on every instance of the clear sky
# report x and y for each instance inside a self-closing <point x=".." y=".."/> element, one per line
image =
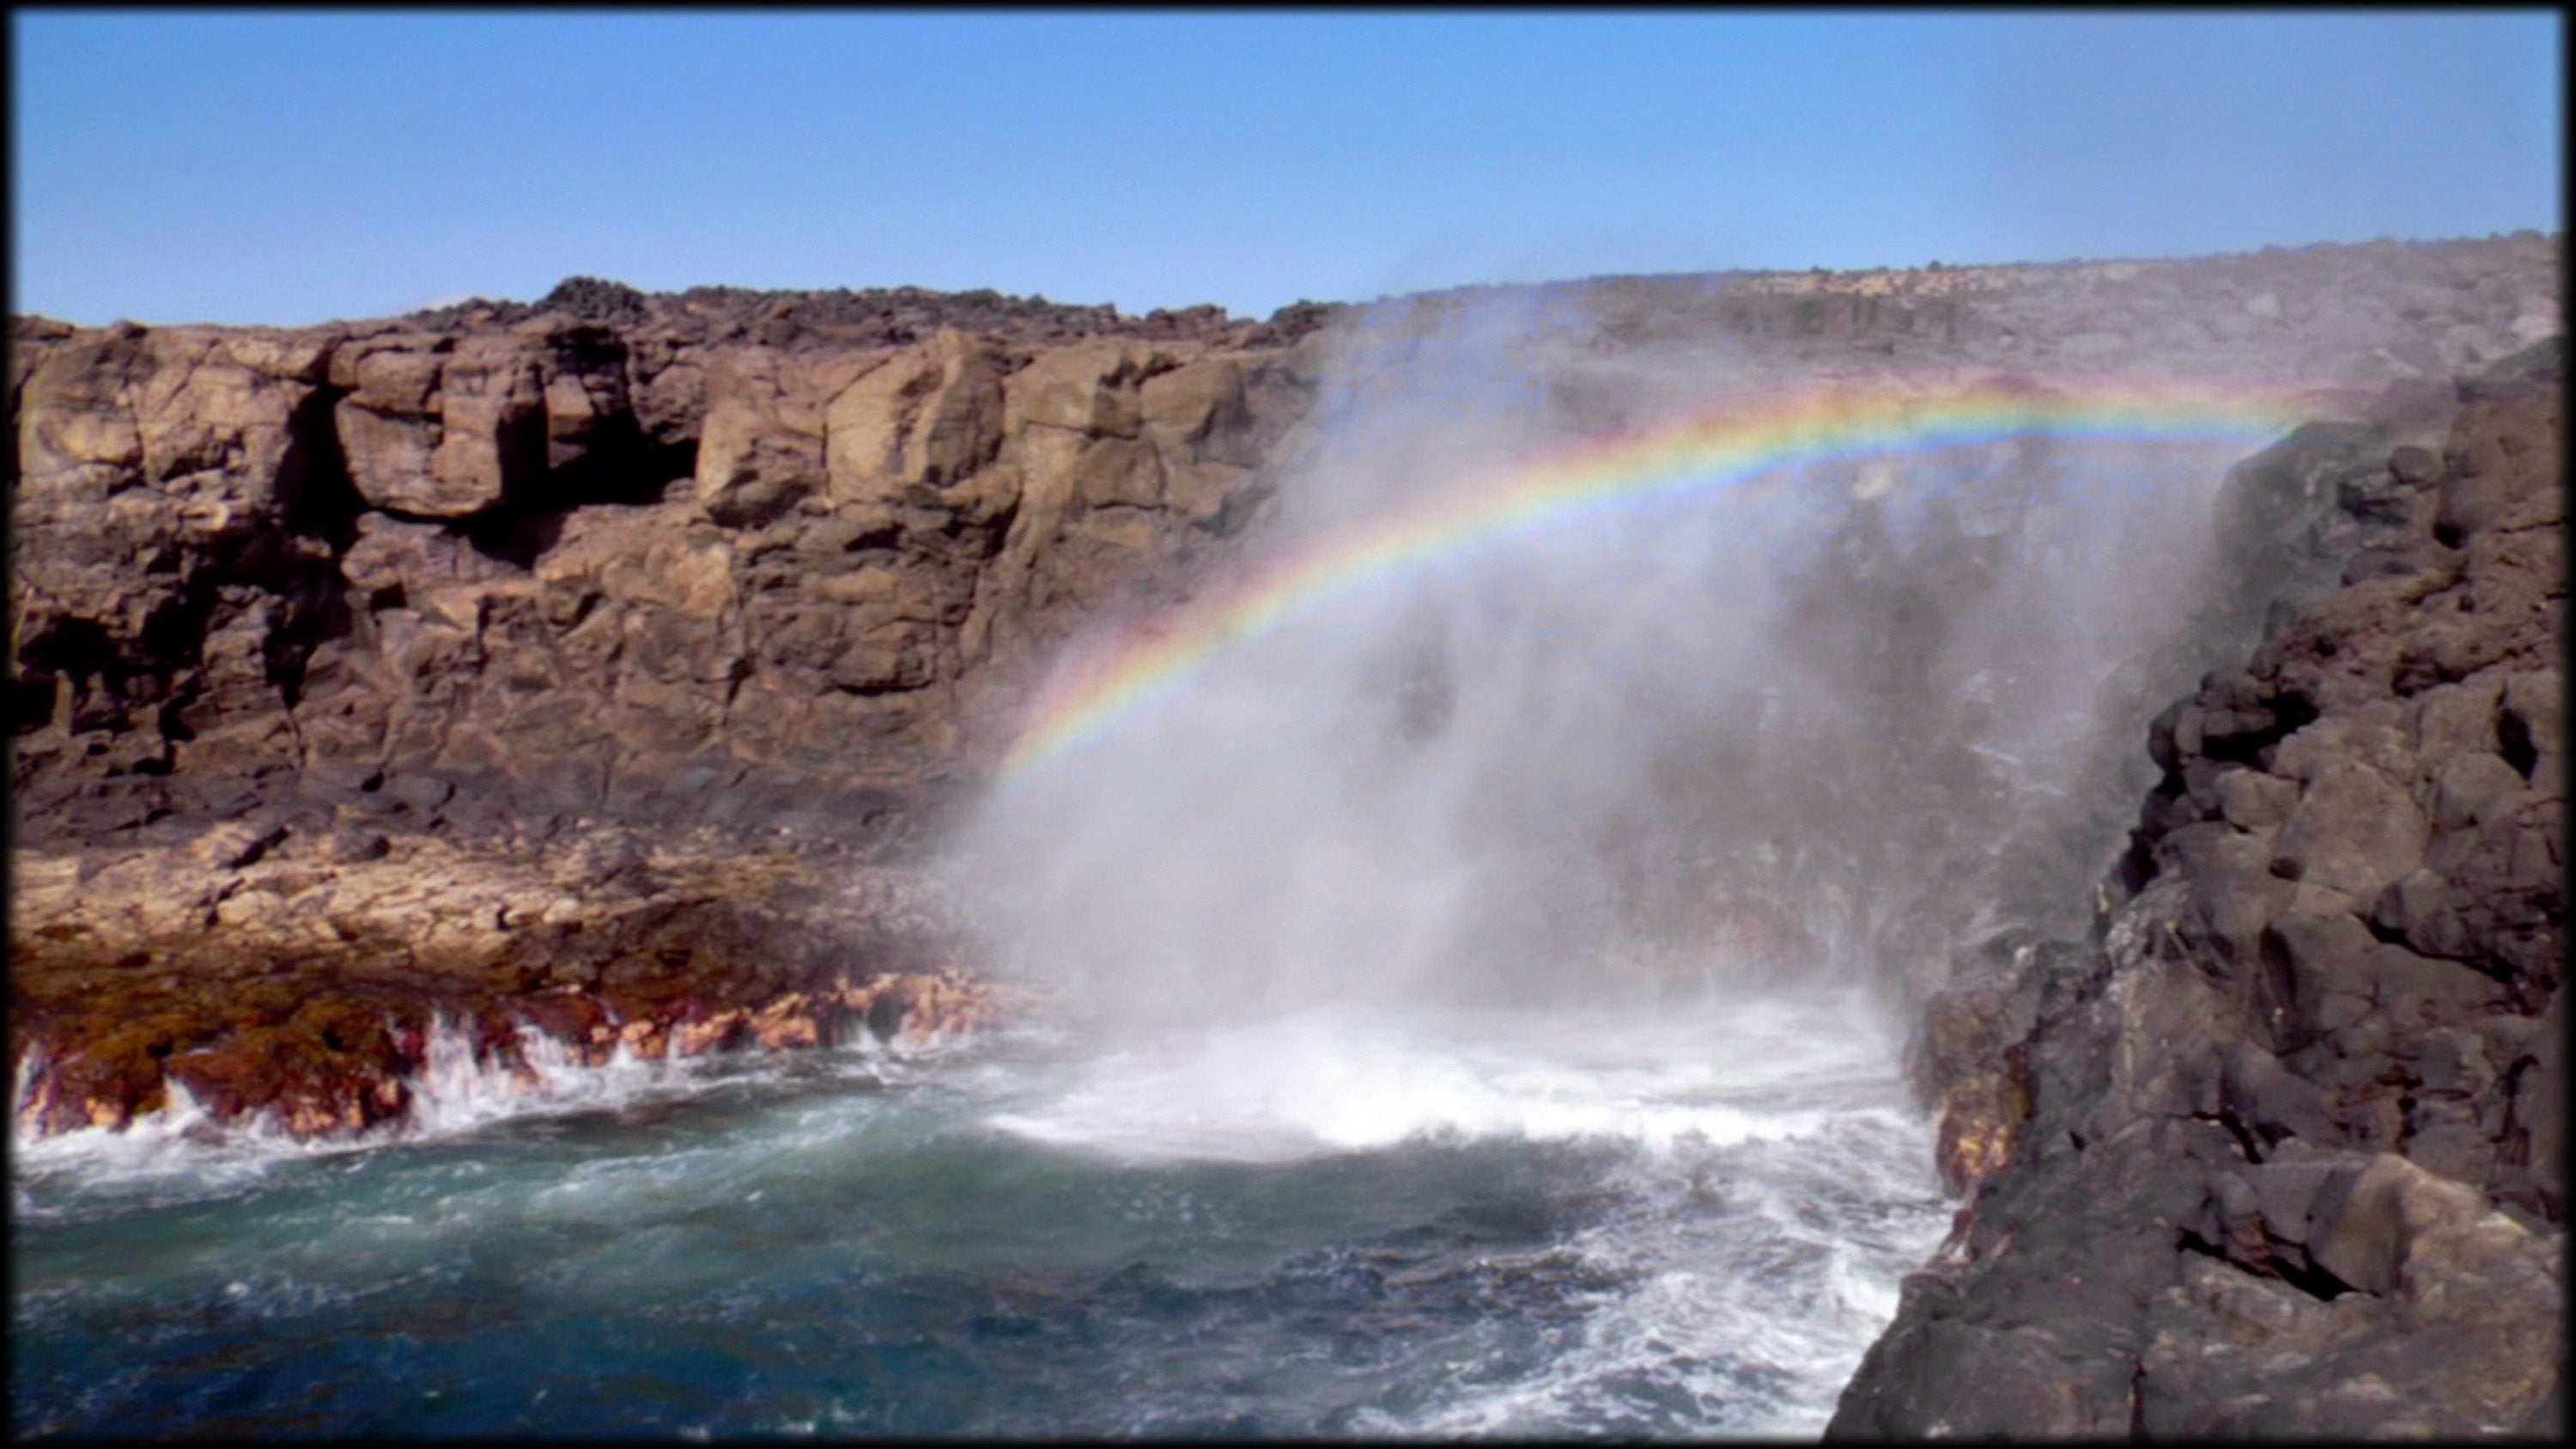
<point x="177" y="166"/>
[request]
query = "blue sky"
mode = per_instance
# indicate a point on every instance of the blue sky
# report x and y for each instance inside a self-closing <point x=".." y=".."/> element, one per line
<point x="175" y="166"/>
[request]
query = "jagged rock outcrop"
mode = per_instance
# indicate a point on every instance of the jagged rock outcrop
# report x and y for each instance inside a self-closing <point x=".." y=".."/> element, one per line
<point x="560" y="569"/>
<point x="2279" y="1152"/>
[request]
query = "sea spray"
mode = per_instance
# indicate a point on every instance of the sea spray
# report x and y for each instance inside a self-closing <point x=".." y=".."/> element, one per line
<point x="1543" y="784"/>
<point x="1816" y="683"/>
<point x="1750" y="443"/>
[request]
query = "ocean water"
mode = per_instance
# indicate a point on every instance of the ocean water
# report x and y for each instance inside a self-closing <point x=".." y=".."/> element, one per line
<point x="1689" y="1222"/>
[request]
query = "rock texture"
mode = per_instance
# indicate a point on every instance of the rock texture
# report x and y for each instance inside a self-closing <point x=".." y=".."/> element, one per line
<point x="353" y="668"/>
<point x="348" y="665"/>
<point x="2374" y="312"/>
<point x="2279" y="1150"/>
<point x="296" y="978"/>
<point x="555" y="569"/>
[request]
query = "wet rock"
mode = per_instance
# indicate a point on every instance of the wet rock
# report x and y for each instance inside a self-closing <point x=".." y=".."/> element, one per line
<point x="298" y="989"/>
<point x="1964" y="1065"/>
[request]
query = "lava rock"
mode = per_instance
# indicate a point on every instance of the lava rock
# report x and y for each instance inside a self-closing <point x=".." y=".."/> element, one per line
<point x="2353" y="913"/>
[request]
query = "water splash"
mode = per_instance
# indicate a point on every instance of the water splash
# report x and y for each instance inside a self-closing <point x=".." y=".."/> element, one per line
<point x="1330" y="1081"/>
<point x="1616" y="731"/>
<point x="461" y="1089"/>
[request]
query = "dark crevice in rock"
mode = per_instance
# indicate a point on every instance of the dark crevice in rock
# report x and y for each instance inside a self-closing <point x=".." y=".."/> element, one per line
<point x="175" y="630"/>
<point x="2278" y="993"/>
<point x="508" y="536"/>
<point x="321" y="498"/>
<point x="2246" y="1142"/>
<point x="171" y="720"/>
<point x="316" y="609"/>
<point x="618" y="466"/>
<point x="2513" y="741"/>
<point x="2293" y="1270"/>
<point x="77" y="649"/>
<point x="32" y="698"/>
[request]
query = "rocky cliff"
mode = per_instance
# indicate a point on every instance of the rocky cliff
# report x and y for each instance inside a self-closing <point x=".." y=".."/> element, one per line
<point x="2278" y="1150"/>
<point x="556" y="666"/>
<point x="519" y="668"/>
<point x="555" y="568"/>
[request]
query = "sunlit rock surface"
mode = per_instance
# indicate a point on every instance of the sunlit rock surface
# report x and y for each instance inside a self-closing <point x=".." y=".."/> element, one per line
<point x="565" y="571"/>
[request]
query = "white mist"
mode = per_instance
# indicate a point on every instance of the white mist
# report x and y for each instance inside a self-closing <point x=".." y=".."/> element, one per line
<point x="1754" y="740"/>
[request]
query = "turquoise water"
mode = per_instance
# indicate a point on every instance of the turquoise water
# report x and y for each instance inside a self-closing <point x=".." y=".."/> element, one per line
<point x="1685" y="1224"/>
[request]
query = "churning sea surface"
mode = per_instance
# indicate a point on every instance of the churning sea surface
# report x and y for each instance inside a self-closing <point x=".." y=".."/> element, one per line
<point x="1684" y="1222"/>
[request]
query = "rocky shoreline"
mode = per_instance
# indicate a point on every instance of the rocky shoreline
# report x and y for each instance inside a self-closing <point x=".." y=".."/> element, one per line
<point x="293" y="980"/>
<point x="2278" y="1150"/>
<point x="537" y="675"/>
<point x="601" y="669"/>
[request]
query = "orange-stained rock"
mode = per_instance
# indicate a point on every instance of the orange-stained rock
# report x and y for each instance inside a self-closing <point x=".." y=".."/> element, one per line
<point x="312" y="1007"/>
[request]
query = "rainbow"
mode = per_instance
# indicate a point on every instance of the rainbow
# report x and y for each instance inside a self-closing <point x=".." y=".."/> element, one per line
<point x="1745" y="441"/>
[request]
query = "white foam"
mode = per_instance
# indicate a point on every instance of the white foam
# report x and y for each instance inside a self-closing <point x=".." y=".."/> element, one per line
<point x="455" y="1091"/>
<point x="1331" y="1081"/>
<point x="1750" y="1305"/>
<point x="455" y="1094"/>
<point x="150" y="1138"/>
<point x="1776" y="1184"/>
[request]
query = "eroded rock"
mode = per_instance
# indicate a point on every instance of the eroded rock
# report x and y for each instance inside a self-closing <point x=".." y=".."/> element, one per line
<point x="2284" y="1168"/>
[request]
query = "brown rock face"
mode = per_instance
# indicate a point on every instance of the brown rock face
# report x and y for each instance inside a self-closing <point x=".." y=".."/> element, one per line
<point x="556" y="568"/>
<point x="791" y="558"/>
<point x="2289" y="1161"/>
<point x="339" y="655"/>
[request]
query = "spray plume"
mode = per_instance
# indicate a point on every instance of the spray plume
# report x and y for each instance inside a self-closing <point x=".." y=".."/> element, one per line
<point x="1753" y="443"/>
<point x="1803" y="687"/>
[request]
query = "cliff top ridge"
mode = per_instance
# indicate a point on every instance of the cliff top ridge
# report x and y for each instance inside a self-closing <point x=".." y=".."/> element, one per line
<point x="901" y="316"/>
